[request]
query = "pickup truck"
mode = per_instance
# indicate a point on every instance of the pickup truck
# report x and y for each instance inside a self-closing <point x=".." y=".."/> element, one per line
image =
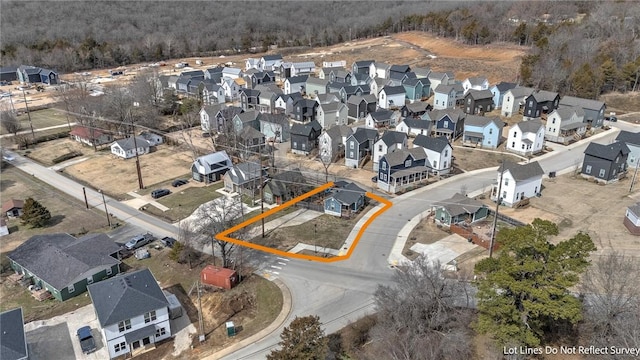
<point x="139" y="241"/>
<point x="87" y="343"/>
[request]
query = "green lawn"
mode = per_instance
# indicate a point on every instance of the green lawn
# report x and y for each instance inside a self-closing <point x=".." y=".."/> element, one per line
<point x="165" y="184"/>
<point x="41" y="119"/>
<point x="183" y="202"/>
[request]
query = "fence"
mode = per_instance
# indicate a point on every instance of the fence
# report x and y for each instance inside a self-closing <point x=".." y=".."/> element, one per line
<point x="310" y="206"/>
<point x="471" y="237"/>
<point x="507" y="219"/>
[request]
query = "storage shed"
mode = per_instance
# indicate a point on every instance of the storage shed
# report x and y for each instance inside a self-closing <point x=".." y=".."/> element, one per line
<point x="219" y="276"/>
<point x="175" y="309"/>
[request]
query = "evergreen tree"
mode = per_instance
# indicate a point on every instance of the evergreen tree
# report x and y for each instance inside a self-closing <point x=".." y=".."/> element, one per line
<point x="524" y="291"/>
<point x="34" y="214"/>
<point x="303" y="339"/>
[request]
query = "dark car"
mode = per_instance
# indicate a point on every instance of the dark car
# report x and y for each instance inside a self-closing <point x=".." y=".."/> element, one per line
<point x="374" y="179"/>
<point x="87" y="343"/>
<point x="159" y="193"/>
<point x="168" y="241"/>
<point x="179" y="182"/>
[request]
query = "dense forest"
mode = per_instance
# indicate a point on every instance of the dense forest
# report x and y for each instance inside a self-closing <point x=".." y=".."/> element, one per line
<point x="583" y="48"/>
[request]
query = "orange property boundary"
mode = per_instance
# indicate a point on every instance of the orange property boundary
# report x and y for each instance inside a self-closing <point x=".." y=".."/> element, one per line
<point x="224" y="236"/>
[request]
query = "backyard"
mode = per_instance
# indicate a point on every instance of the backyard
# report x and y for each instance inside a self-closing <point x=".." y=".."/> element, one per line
<point x="40" y="119"/>
<point x="184" y="200"/>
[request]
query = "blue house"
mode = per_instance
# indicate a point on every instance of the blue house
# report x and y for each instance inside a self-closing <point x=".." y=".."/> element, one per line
<point x="482" y="131"/>
<point x="345" y="200"/>
<point x="402" y="169"/>
<point x="498" y="92"/>
<point x="448" y="123"/>
<point x="414" y="89"/>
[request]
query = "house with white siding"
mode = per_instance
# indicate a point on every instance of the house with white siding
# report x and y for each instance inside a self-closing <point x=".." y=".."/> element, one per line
<point x="475" y="83"/>
<point x="565" y="124"/>
<point x="439" y="153"/>
<point x="526" y="138"/>
<point x="391" y="97"/>
<point x="513" y="100"/>
<point x="519" y="182"/>
<point x="303" y="68"/>
<point x="390" y="141"/>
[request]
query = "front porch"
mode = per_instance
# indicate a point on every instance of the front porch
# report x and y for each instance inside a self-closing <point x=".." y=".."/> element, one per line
<point x="404" y="179"/>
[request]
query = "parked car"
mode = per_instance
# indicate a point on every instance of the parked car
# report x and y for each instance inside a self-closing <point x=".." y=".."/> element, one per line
<point x="87" y="343"/>
<point x="8" y="157"/>
<point x="374" y="179"/>
<point x="168" y="241"/>
<point x="158" y="193"/>
<point x="139" y="241"/>
<point x="179" y="182"/>
<point x="611" y="118"/>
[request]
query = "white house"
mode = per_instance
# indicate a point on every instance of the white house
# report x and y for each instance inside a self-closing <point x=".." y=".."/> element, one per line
<point x="437" y="78"/>
<point x="513" y="100"/>
<point x="126" y="148"/>
<point x="444" y="97"/>
<point x="475" y="83"/>
<point x="519" y="182"/>
<point x="231" y="89"/>
<point x="269" y="62"/>
<point x="333" y="141"/>
<point x="230" y="72"/>
<point x="251" y="63"/>
<point x="133" y="312"/>
<point x="303" y="68"/>
<point x="438" y="151"/>
<point x="390" y="140"/>
<point x="379" y="70"/>
<point x="330" y="114"/>
<point x="391" y="96"/>
<point x="632" y="140"/>
<point x="381" y="119"/>
<point x="295" y="84"/>
<point x="413" y="127"/>
<point x="564" y="124"/>
<point x="526" y="138"/>
<point x="213" y="94"/>
<point x="632" y="219"/>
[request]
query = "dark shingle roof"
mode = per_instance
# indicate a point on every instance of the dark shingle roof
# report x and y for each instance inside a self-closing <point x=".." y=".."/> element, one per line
<point x="608" y="152"/>
<point x="363" y="134"/>
<point x="529" y="126"/>
<point x="629" y="137"/>
<point x="504" y="86"/>
<point x="382" y="114"/>
<point x="417" y="106"/>
<point x="280" y="119"/>
<point x="480" y="94"/>
<point x="521" y="172"/>
<point x="476" y="80"/>
<point x="348" y="194"/>
<point x="249" y="133"/>
<point x="13" y="344"/>
<point x="417" y="123"/>
<point x="583" y="103"/>
<point x="436" y="144"/>
<point x="272" y="57"/>
<point x="298" y="79"/>
<point x="544" y="96"/>
<point x="280" y="182"/>
<point x="398" y="156"/>
<point x="362" y="63"/>
<point x="393" y="137"/>
<point x="339" y="131"/>
<point x="460" y="205"/>
<point x="305" y="129"/>
<point x="521" y="91"/>
<point x="482" y="121"/>
<point x="393" y="90"/>
<point x="245" y="172"/>
<point x="126" y="296"/>
<point x="248" y="116"/>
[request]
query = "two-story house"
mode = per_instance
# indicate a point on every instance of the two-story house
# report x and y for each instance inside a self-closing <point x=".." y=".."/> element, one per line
<point x="379" y="70"/>
<point x="244" y="119"/>
<point x="360" y="106"/>
<point x="218" y="118"/>
<point x="482" y="131"/>
<point x="249" y="99"/>
<point x="333" y="113"/>
<point x="296" y="84"/>
<point x="361" y="67"/>
<point x="304" y="110"/>
<point x="478" y="102"/>
<point x="605" y="163"/>
<point x="526" y="138"/>
<point x="275" y="127"/>
<point x="402" y="169"/>
<point x="475" y="83"/>
<point x="359" y="147"/>
<point x="632" y="140"/>
<point x="444" y="97"/>
<point x="391" y="97"/>
<point x="415" y="110"/>
<point x="498" y="91"/>
<point x="513" y="100"/>
<point x="269" y="62"/>
<point x="381" y="119"/>
<point x="283" y="103"/>
<point x="437" y="78"/>
<point x="593" y="109"/>
<point x="304" y="137"/>
<point x="211" y="167"/>
<point x="439" y="153"/>
<point x="133" y="312"/>
<point x="539" y="104"/>
<point x="565" y="124"/>
<point x="332" y="142"/>
<point x="316" y="86"/>
<point x="448" y="123"/>
<point x="519" y="182"/>
<point x="413" y="126"/>
<point x="388" y="142"/>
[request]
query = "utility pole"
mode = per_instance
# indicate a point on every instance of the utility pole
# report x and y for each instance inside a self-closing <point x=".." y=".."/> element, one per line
<point x="26" y="106"/>
<point x="495" y="217"/>
<point x="635" y="173"/>
<point x="261" y="196"/>
<point x="135" y="144"/>
<point x="200" y="317"/>
<point x="84" y="192"/>
<point x="105" y="208"/>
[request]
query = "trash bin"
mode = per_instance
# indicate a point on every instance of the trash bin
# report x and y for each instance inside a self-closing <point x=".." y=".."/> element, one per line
<point x="552" y="174"/>
<point x="231" y="329"/>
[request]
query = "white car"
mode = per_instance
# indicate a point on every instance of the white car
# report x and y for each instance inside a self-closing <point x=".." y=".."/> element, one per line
<point x="8" y="157"/>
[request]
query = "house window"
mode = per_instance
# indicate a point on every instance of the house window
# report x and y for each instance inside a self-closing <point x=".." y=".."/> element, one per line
<point x="530" y="102"/>
<point x="513" y="144"/>
<point x="436" y="102"/>
<point x="522" y="146"/>
<point x="407" y="163"/>
<point x="150" y="316"/>
<point x="553" y="121"/>
<point x="504" y="195"/>
<point x="490" y="131"/>
<point x="120" y="347"/>
<point x="295" y="144"/>
<point x="351" y="155"/>
<point x="380" y="147"/>
<point x="446" y="123"/>
<point x="506" y="182"/>
<point x="515" y="133"/>
<point x="90" y="280"/>
<point x="303" y="146"/>
<point x="124" y="325"/>
<point x="351" y="145"/>
<point x="446" y="152"/>
<point x="601" y="174"/>
<point x="161" y="332"/>
<point x="109" y="271"/>
<point x="384" y="165"/>
<point x="469" y="101"/>
<point x="435" y="163"/>
<point x="71" y="289"/>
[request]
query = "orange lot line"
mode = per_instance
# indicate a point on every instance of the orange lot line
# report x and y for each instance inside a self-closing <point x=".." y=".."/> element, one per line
<point x="224" y="235"/>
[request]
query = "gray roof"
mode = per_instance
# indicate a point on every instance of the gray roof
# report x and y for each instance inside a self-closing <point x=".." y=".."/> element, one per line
<point x="356" y="99"/>
<point x="544" y="96"/>
<point x="280" y="119"/>
<point x="129" y="143"/>
<point x="327" y="98"/>
<point x="436" y="144"/>
<point x="362" y="63"/>
<point x="397" y="156"/>
<point x="245" y="172"/>
<point x="504" y="86"/>
<point x="443" y="89"/>
<point x="298" y="79"/>
<point x="476" y="80"/>
<point x="421" y="71"/>
<point x="126" y="296"/>
<point x="629" y="137"/>
<point x="382" y="114"/>
<point x="363" y="134"/>
<point x="482" y="121"/>
<point x="583" y="103"/>
<point x="208" y="161"/>
<point x="13" y="342"/>
<point x="417" y="123"/>
<point x="393" y="90"/>
<point x="304" y="64"/>
<point x="530" y="126"/>
<point x="331" y="106"/>
<point x="417" y="106"/>
<point x="566" y="111"/>
<point x="460" y="205"/>
<point x="248" y="116"/>
<point x="250" y="133"/>
<point x="317" y="81"/>
<point x="521" y="172"/>
<point x="280" y="182"/>
<point x="61" y="260"/>
<point x="250" y="92"/>
<point x="347" y="194"/>
<point x="400" y="68"/>
<point x="521" y="91"/>
<point x="480" y="94"/>
<point x="339" y="131"/>
<point x="635" y="209"/>
<point x="393" y="137"/>
<point x="272" y="57"/>
<point x="608" y="152"/>
<point x="306" y="129"/>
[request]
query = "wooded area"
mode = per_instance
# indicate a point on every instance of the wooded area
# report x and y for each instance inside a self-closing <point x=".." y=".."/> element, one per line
<point x="580" y="48"/>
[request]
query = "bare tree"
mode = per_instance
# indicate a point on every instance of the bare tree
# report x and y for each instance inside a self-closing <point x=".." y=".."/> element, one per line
<point x="217" y="216"/>
<point x="188" y="237"/>
<point x="10" y="122"/>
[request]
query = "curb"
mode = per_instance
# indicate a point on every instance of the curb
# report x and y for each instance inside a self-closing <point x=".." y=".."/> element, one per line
<point x="280" y="319"/>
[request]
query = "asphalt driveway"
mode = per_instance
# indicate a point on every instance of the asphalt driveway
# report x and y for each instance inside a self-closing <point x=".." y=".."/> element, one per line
<point x="50" y="342"/>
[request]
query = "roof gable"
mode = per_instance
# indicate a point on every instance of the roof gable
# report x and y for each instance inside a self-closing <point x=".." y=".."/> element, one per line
<point x="629" y="137"/>
<point x="393" y="137"/>
<point x="13" y="342"/>
<point x="607" y="152"/>
<point x="529" y="126"/>
<point x="430" y="143"/>
<point x="521" y="172"/>
<point x="583" y="103"/>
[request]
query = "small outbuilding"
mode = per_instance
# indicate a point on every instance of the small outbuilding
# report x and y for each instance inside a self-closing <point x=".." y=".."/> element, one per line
<point x="12" y="208"/>
<point x="219" y="276"/>
<point x="632" y="219"/>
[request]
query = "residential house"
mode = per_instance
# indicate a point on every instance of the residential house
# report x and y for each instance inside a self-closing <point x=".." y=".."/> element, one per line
<point x="13" y="339"/>
<point x="391" y="97"/>
<point x="304" y="137"/>
<point x="448" y="123"/>
<point x="460" y="209"/>
<point x="182" y="84"/>
<point x="325" y="72"/>
<point x="444" y="97"/>
<point x="218" y="117"/>
<point x="303" y="68"/>
<point x="499" y="90"/>
<point x="251" y="63"/>
<point x="632" y="219"/>
<point x="361" y="106"/>
<point x="210" y="168"/>
<point x="296" y="84"/>
<point x="379" y="70"/>
<point x="341" y="75"/>
<point x="133" y="313"/>
<point x="398" y="69"/>
<point x="275" y="127"/>
<point x="153" y="138"/>
<point x="415" y="89"/>
<point x="413" y="127"/>
<point x="513" y="100"/>
<point x="344" y="201"/>
<point x="482" y="131"/>
<point x="360" y="79"/>
<point x="304" y="110"/>
<point x="12" y="208"/>
<point x="361" y="67"/>
<point x="565" y="124"/>
<point x="284" y="70"/>
<point x="90" y="136"/>
<point x="330" y="114"/>
<point x="64" y="265"/>
<point x="214" y="73"/>
<point x="437" y="78"/>
<point x="30" y="74"/>
<point x="283" y="103"/>
<point x="526" y="138"/>
<point x="231" y="72"/>
<point x="250" y="141"/>
<point x="475" y="83"/>
<point x="381" y="119"/>
<point x="519" y="182"/>
<point x="8" y="73"/>
<point x="249" y="99"/>
<point x="359" y="147"/>
<point x="540" y="103"/>
<point x="415" y="110"/>
<point x="254" y="77"/>
<point x="315" y="86"/>
<point x="266" y="101"/>
<point x="332" y="142"/>
<point x="244" y="119"/>
<point x="438" y="151"/>
<point x="377" y="84"/>
<point x="127" y="148"/>
<point x="231" y="89"/>
<point x="4" y="230"/>
<point x="213" y="93"/>
<point x="388" y="142"/>
<point x="605" y="163"/>
<point x="632" y="140"/>
<point x="327" y="98"/>
<point x="593" y="109"/>
<point x="421" y="72"/>
<point x="244" y="178"/>
<point x="478" y="102"/>
<point x="402" y="169"/>
<point x="269" y="62"/>
<point x="284" y="186"/>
